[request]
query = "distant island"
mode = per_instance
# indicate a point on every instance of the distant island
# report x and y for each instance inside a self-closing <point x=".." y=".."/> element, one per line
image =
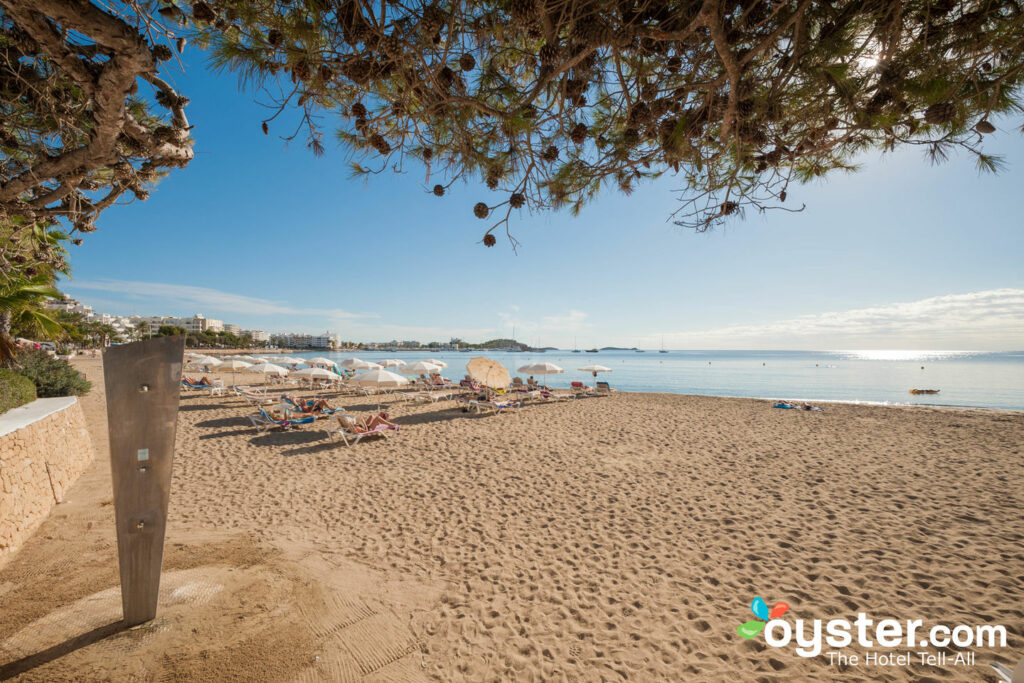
<point x="618" y="348"/>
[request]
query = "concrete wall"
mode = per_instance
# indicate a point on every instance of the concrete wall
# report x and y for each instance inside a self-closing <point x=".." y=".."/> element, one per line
<point x="44" y="448"/>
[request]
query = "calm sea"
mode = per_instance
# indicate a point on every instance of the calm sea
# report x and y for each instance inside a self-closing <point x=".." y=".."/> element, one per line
<point x="964" y="378"/>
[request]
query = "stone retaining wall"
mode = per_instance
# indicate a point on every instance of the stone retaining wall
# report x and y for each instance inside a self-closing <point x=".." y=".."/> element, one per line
<point x="44" y="448"/>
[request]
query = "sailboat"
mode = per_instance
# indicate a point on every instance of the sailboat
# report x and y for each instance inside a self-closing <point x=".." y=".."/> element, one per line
<point x="575" y="349"/>
<point x="638" y="350"/>
<point x="663" y="346"/>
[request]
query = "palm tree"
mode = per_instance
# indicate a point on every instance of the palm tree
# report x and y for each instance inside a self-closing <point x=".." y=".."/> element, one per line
<point x="21" y="306"/>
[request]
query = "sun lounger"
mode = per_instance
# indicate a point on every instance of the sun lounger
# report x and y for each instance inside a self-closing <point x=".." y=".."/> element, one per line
<point x="480" y="406"/>
<point x="604" y="389"/>
<point x="262" y="421"/>
<point x="580" y="389"/>
<point x="351" y="438"/>
<point x="292" y="405"/>
<point x="431" y="396"/>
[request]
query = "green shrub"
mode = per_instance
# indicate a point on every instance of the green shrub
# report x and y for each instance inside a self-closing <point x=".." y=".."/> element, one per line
<point x="52" y="376"/>
<point x="15" y="390"/>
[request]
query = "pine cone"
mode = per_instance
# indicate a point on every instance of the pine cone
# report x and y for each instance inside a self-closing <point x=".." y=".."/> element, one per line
<point x="439" y="190"/>
<point x="275" y="37"/>
<point x="492" y="183"/>
<point x="550" y="153"/>
<point x="941" y="113"/>
<point x="77" y="241"/>
<point x="489" y="240"/>
<point x="649" y="91"/>
<point x="162" y="53"/>
<point x="202" y="11"/>
<point x="517" y="200"/>
<point x="358" y="110"/>
<point x="984" y="126"/>
<point x="523" y="11"/>
<point x="324" y="72"/>
<point x="467" y="62"/>
<point x="729" y="207"/>
<point x="480" y="210"/>
<point x="428" y="154"/>
<point x="433" y="19"/>
<point x="549" y="54"/>
<point x="378" y="142"/>
<point x="301" y="70"/>
<point x="630" y="137"/>
<point x="578" y="133"/>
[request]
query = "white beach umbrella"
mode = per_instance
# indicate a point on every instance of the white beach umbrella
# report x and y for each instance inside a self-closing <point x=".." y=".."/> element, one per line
<point x="381" y="379"/>
<point x="420" y="367"/>
<point x="439" y="363"/>
<point x="296" y="362"/>
<point x="247" y="359"/>
<point x="315" y="373"/>
<point x="540" y="369"/>
<point x="392" y="363"/>
<point x="322" y="361"/>
<point x="209" y="361"/>
<point x="233" y="365"/>
<point x="594" y="369"/>
<point x="356" y="364"/>
<point x="268" y="369"/>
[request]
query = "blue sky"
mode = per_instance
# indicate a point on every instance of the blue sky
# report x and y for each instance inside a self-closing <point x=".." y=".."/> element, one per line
<point x="261" y="233"/>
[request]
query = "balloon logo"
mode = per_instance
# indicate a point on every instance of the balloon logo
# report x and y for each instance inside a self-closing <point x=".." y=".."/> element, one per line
<point x="760" y="609"/>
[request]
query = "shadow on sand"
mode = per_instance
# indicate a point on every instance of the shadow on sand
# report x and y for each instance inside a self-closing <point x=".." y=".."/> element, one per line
<point x="20" y="666"/>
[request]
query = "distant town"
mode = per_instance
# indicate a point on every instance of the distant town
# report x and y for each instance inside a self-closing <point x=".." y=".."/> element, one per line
<point x="200" y="331"/>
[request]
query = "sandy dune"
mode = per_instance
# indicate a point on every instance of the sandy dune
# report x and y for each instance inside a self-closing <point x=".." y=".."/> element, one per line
<point x="600" y="539"/>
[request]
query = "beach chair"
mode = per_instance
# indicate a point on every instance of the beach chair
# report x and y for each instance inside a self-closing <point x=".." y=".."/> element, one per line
<point x="471" y="385"/>
<point x="262" y="421"/>
<point x="1007" y="675"/>
<point x="603" y="389"/>
<point x="492" y="405"/>
<point x="287" y="400"/>
<point x="517" y="384"/>
<point x="431" y="396"/>
<point x="351" y="438"/>
<point x="580" y="389"/>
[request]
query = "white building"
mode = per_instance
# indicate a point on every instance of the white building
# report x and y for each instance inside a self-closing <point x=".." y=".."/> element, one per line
<point x="259" y="335"/>
<point x="232" y="328"/>
<point x="307" y="341"/>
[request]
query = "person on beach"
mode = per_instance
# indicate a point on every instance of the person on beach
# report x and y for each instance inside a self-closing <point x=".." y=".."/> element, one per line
<point x="309" y="406"/>
<point x="365" y="424"/>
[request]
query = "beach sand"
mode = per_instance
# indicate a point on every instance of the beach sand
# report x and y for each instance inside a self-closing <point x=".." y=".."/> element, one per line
<point x="599" y="539"/>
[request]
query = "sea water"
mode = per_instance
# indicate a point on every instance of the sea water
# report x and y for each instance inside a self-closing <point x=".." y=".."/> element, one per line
<point x="964" y="378"/>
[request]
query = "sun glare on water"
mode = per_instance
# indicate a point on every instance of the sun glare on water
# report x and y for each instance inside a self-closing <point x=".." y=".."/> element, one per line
<point x="903" y="354"/>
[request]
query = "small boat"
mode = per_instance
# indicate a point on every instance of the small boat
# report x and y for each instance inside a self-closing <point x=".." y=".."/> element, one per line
<point x="924" y="391"/>
<point x="574" y="348"/>
<point x="662" y="346"/>
<point x="591" y="350"/>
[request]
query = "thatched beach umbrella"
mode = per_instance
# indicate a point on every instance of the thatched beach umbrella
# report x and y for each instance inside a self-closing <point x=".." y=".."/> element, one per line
<point x="488" y="372"/>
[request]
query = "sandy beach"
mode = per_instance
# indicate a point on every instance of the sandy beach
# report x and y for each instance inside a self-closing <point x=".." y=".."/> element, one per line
<point x="618" y="538"/>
